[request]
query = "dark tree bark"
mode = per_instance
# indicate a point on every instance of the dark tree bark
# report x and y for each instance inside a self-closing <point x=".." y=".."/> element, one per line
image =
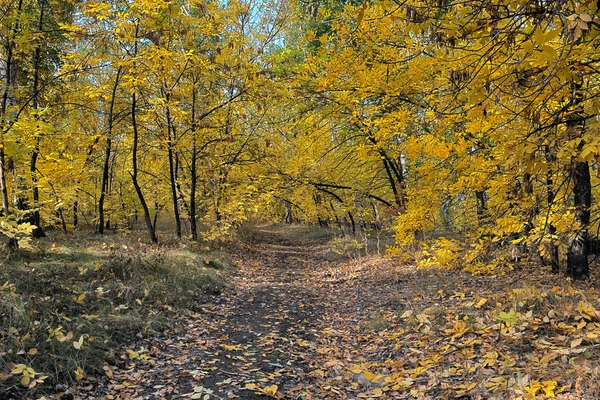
<point x="481" y="206"/>
<point x="37" y="232"/>
<point x="392" y="182"/>
<point x="193" y="172"/>
<point x="75" y="214"/>
<point x="577" y="254"/>
<point x="353" y="224"/>
<point x="108" y="148"/>
<point x="337" y="219"/>
<point x="172" y="170"/>
<point x="151" y="228"/>
<point x="134" y="174"/>
<point x="9" y="82"/>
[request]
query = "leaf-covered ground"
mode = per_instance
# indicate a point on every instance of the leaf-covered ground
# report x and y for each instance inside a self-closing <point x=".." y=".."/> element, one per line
<point x="301" y="322"/>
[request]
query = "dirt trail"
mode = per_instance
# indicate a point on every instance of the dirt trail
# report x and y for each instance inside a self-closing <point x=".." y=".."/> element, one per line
<point x="300" y="322"/>
<point x="261" y="332"/>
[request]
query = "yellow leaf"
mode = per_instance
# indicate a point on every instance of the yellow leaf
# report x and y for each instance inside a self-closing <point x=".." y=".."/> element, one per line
<point x="549" y="357"/>
<point x="549" y="53"/>
<point x="270" y="390"/>
<point x="369" y="375"/>
<point x="251" y="386"/>
<point x="18" y="369"/>
<point x="229" y="347"/>
<point x="361" y="14"/>
<point x="586" y="309"/>
<point x="549" y="387"/>
<point x="538" y="36"/>
<point x="79" y="374"/>
<point x="133" y="354"/>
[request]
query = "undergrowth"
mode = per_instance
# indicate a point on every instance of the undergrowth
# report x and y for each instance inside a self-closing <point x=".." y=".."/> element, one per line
<point x="65" y="303"/>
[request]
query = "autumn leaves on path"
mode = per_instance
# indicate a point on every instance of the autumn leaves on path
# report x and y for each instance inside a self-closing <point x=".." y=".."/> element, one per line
<point x="301" y="322"/>
<point x="256" y="340"/>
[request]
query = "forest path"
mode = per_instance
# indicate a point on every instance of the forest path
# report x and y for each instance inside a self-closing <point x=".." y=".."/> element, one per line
<point x="302" y="322"/>
<point x="287" y="309"/>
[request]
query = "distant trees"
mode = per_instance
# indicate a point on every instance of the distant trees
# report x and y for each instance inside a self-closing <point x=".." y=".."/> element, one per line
<point x="477" y="119"/>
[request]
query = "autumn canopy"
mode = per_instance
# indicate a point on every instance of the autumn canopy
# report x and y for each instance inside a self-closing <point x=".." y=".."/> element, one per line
<point x="469" y="128"/>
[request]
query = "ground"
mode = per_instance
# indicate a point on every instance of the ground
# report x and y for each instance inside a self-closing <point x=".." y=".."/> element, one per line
<point x="302" y="322"/>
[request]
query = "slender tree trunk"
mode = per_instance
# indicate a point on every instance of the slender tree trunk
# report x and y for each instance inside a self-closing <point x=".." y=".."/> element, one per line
<point x="8" y="84"/>
<point x="392" y="182"/>
<point x="399" y="172"/>
<point x="156" y="209"/>
<point x="105" y="170"/>
<point x="353" y="224"/>
<point x="337" y="219"/>
<point x="173" y="172"/>
<point x="289" y="218"/>
<point x="481" y="206"/>
<point x="151" y="228"/>
<point x="134" y="174"/>
<point x="178" y="169"/>
<point x="75" y="215"/>
<point x="194" y="177"/>
<point x="38" y="232"/>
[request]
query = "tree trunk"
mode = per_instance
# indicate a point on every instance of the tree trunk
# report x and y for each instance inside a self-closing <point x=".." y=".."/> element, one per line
<point x="75" y="216"/>
<point x="178" y="169"/>
<point x="353" y="224"/>
<point x="37" y="232"/>
<point x="149" y="226"/>
<point x="9" y="82"/>
<point x="481" y="206"/>
<point x="289" y="218"/>
<point x="337" y="219"/>
<point x="106" y="168"/>
<point x="577" y="260"/>
<point x="173" y="173"/>
<point x="194" y="178"/>
<point x="392" y="182"/>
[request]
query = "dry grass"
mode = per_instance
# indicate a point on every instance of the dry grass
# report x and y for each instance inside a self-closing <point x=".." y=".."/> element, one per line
<point x="104" y="289"/>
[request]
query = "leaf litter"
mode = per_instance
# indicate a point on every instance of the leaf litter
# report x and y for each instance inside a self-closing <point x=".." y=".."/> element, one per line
<point x="301" y="322"/>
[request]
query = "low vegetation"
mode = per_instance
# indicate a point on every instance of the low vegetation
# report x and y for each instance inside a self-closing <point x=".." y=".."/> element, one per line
<point x="65" y="302"/>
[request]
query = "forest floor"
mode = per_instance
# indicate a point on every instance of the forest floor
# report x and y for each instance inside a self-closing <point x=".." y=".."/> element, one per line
<point x="300" y="321"/>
